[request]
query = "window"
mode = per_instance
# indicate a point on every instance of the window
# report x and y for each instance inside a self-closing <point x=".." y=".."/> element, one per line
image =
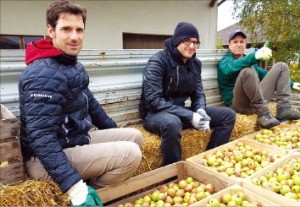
<point x="17" y="41"/>
<point x="144" y="41"/>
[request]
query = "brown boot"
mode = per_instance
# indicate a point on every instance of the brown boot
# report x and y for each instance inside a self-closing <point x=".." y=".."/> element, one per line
<point x="287" y="113"/>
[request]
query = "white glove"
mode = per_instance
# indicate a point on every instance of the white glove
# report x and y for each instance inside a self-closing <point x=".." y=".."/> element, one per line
<point x="78" y="193"/>
<point x="296" y="86"/>
<point x="263" y="54"/>
<point x="199" y="123"/>
<point x="203" y="113"/>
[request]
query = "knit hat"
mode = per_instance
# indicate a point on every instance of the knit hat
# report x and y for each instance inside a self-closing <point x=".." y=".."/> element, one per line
<point x="184" y="30"/>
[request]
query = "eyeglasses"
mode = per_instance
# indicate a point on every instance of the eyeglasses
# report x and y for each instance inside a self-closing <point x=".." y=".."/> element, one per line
<point x="189" y="42"/>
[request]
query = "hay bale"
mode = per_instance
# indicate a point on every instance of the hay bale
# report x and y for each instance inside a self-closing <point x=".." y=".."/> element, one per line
<point x="193" y="143"/>
<point x="33" y="193"/>
<point x="245" y="124"/>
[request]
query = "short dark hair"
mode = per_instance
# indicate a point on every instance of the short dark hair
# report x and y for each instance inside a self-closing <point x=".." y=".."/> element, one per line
<point x="63" y="6"/>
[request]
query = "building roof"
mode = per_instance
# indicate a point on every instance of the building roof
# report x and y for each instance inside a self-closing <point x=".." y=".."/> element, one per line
<point x="225" y="33"/>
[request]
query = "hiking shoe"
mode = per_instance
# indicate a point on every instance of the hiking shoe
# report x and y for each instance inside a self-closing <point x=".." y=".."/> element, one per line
<point x="267" y="121"/>
<point x="287" y="113"/>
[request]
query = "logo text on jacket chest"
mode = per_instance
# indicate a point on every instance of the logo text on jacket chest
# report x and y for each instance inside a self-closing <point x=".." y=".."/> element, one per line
<point x="40" y="95"/>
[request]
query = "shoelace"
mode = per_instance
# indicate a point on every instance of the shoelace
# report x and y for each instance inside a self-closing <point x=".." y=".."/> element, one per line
<point x="268" y="116"/>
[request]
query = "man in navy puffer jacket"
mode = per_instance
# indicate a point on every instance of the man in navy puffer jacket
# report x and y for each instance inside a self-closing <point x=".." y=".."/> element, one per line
<point x="58" y="110"/>
<point x="171" y="77"/>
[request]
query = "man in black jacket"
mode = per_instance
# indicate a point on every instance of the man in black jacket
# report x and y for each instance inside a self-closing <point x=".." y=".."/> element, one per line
<point x="171" y="77"/>
<point x="57" y="111"/>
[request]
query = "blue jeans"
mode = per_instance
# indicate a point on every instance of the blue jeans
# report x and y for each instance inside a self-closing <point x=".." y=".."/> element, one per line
<point x="170" y="127"/>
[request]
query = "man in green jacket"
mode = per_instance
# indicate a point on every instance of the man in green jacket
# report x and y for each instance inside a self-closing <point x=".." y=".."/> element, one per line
<point x="247" y="88"/>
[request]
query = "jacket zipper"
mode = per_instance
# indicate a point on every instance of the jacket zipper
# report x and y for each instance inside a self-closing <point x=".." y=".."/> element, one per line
<point x="87" y="107"/>
<point x="87" y="100"/>
<point x="169" y="86"/>
<point x="177" y="78"/>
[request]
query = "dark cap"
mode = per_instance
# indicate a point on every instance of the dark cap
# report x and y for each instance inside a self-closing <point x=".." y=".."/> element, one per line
<point x="184" y="30"/>
<point x="236" y="32"/>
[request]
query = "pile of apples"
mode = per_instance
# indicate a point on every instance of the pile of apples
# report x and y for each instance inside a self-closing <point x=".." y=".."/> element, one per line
<point x="284" y="138"/>
<point x="232" y="199"/>
<point x="285" y="180"/>
<point x="238" y="160"/>
<point x="183" y="193"/>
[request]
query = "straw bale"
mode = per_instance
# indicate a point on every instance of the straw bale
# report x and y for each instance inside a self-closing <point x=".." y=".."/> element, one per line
<point x="245" y="124"/>
<point x="193" y="143"/>
<point x="33" y="193"/>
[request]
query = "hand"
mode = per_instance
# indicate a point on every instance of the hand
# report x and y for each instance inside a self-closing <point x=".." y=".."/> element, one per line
<point x="202" y="112"/>
<point x="199" y="123"/>
<point x="81" y="194"/>
<point x="263" y="54"/>
<point x="296" y="86"/>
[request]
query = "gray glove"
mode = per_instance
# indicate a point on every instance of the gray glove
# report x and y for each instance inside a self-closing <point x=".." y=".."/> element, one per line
<point x="202" y="112"/>
<point x="199" y="123"/>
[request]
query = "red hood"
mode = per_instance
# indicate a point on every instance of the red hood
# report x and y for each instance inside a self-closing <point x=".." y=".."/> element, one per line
<point x="40" y="49"/>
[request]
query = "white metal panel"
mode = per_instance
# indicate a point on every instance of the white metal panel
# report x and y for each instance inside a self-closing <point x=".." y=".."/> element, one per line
<point x="115" y="78"/>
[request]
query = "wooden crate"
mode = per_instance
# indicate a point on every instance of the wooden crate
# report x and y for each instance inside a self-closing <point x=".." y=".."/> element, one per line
<point x="288" y="125"/>
<point x="250" y="196"/>
<point x="11" y="160"/>
<point x="138" y="186"/>
<point x="251" y="143"/>
<point x="277" y="198"/>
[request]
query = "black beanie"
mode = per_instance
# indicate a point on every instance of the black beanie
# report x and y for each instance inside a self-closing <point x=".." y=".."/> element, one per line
<point x="184" y="30"/>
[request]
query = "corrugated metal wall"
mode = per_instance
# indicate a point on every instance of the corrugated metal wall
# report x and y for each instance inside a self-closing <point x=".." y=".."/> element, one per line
<point x="115" y="78"/>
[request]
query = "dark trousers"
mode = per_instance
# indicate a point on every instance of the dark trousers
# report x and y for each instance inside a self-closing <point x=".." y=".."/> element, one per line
<point x="170" y="127"/>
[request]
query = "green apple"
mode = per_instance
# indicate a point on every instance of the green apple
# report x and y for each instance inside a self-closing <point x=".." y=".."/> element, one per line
<point x="189" y="180"/>
<point x="182" y="184"/>
<point x="296" y="166"/>
<point x="211" y="160"/>
<point x="291" y="195"/>
<point x="285" y="189"/>
<point x="214" y="202"/>
<point x="296" y="180"/>
<point x="226" y="198"/>
<point x="229" y="171"/>
<point x="258" y="136"/>
<point x="160" y="203"/>
<point x="237" y="199"/>
<point x="276" y="186"/>
<point x="154" y="196"/>
<point x="231" y="204"/>
<point x="255" y="181"/>
<point x="296" y="189"/>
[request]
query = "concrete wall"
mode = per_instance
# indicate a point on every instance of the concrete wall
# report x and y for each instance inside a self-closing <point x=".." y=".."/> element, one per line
<point x="107" y="20"/>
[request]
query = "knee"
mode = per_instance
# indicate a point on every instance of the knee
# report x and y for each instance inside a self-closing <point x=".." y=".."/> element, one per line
<point x="231" y="115"/>
<point x="172" y="128"/>
<point x="135" y="154"/>
<point x="173" y="124"/>
<point x="249" y="72"/>
<point x="137" y="137"/>
<point x="282" y="67"/>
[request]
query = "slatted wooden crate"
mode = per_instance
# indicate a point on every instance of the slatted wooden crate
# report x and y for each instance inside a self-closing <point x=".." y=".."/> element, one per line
<point x="11" y="161"/>
<point x="280" y="153"/>
<point x="268" y="194"/>
<point x="141" y="185"/>
<point x="251" y="196"/>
